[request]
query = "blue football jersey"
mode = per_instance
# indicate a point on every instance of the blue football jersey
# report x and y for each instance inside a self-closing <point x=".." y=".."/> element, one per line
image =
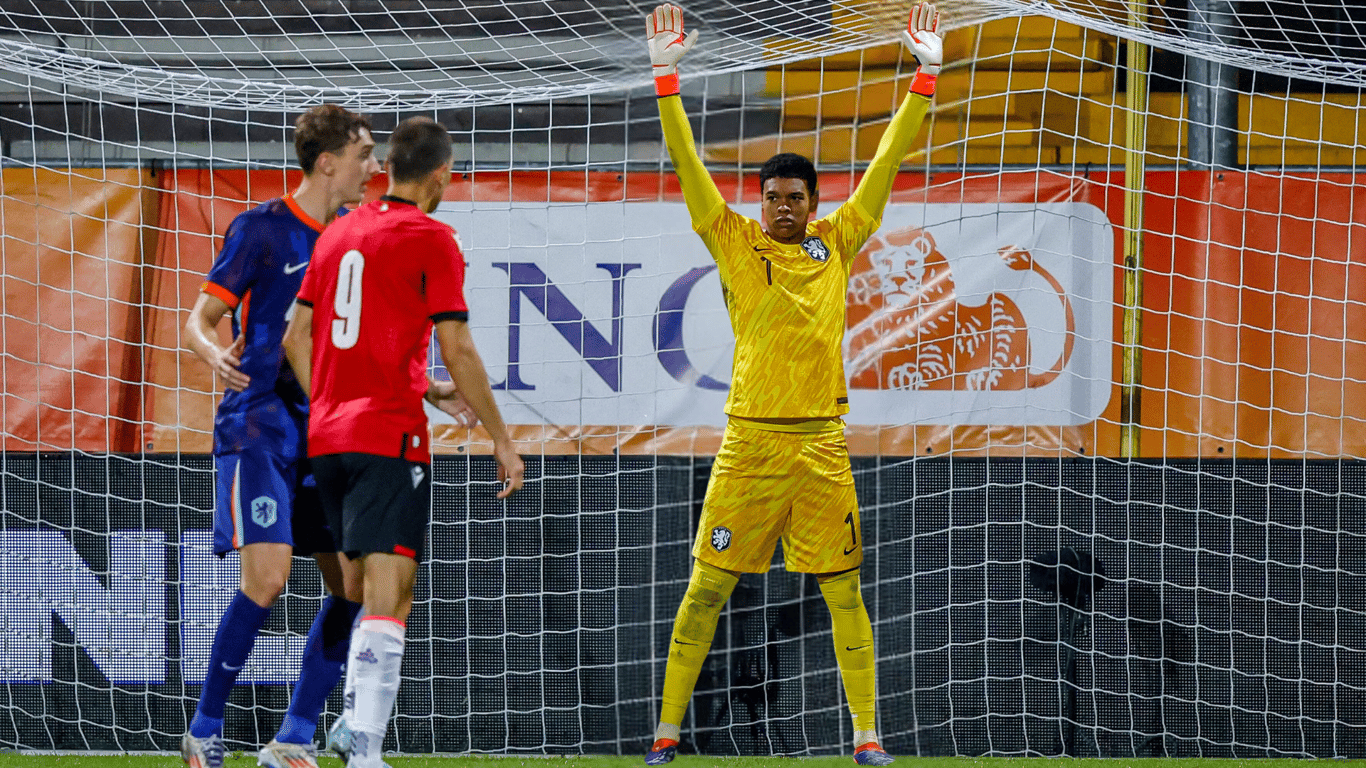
<point x="257" y="274"/>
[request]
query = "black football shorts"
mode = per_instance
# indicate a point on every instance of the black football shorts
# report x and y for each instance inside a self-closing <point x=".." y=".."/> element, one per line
<point x="378" y="503"/>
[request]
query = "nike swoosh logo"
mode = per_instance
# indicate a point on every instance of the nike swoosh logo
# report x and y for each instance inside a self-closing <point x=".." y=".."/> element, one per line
<point x="850" y="550"/>
<point x="231" y="668"/>
<point x="292" y="268"/>
<point x="680" y="642"/>
<point x="757" y="248"/>
<point x="861" y="647"/>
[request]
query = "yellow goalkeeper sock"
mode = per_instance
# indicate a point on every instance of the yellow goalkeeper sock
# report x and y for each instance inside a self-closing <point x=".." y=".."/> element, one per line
<point x="708" y="590"/>
<point x="854" y="650"/>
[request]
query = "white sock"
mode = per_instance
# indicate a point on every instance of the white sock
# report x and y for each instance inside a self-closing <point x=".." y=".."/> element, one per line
<point x="668" y="731"/>
<point x="377" y="656"/>
<point x="349" y="680"/>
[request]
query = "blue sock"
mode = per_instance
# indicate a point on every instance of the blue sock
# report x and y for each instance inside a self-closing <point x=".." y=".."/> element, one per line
<point x="232" y="644"/>
<point x="324" y="658"/>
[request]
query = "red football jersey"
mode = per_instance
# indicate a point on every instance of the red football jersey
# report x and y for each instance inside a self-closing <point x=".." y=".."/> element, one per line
<point x="378" y="279"/>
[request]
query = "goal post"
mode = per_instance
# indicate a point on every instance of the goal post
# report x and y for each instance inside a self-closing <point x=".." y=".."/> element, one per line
<point x="1108" y="401"/>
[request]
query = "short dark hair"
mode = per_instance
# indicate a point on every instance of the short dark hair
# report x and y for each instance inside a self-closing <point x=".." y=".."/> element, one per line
<point x="325" y="128"/>
<point x="418" y="146"/>
<point x="789" y="165"/>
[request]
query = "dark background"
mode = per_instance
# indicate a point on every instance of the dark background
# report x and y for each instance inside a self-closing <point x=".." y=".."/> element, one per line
<point x="1231" y="620"/>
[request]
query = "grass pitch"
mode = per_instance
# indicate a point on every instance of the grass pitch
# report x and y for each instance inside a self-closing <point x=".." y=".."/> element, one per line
<point x="248" y="760"/>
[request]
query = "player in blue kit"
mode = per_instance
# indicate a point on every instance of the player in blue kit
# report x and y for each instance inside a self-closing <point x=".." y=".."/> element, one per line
<point x="266" y="504"/>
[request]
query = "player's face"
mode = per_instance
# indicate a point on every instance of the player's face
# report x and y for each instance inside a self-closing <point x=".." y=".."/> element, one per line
<point x="787" y="206"/>
<point x="355" y="166"/>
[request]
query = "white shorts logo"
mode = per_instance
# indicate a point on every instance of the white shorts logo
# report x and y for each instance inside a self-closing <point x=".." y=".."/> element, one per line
<point x="263" y="511"/>
<point x="720" y="538"/>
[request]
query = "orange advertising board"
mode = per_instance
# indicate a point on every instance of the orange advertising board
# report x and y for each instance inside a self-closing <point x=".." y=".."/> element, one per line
<point x="1254" y="329"/>
<point x="72" y="244"/>
<point x="197" y="206"/>
<point x="984" y="317"/>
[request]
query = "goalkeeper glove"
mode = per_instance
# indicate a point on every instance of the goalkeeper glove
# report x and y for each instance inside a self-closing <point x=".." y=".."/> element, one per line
<point x="664" y="35"/>
<point x="922" y="37"/>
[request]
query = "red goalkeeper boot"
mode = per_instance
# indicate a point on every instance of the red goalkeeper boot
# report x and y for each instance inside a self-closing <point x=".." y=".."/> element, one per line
<point x="872" y="754"/>
<point x="663" y="751"/>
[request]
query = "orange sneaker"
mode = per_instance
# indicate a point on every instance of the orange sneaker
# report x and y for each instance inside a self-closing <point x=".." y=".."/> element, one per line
<point x="872" y="754"/>
<point x="663" y="751"/>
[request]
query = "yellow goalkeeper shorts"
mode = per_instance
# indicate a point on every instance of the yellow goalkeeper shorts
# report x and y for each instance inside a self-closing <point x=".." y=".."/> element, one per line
<point x="790" y="485"/>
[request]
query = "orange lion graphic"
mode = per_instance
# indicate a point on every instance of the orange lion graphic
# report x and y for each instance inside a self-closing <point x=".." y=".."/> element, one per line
<point x="908" y="330"/>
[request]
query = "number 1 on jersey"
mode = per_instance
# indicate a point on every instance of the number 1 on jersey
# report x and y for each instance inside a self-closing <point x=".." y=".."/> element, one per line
<point x="346" y="326"/>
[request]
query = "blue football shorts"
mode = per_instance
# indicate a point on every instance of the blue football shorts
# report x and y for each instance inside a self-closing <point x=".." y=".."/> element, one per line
<point x="263" y="497"/>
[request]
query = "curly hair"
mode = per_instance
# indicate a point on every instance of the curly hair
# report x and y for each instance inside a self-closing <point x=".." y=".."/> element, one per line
<point x="325" y="128"/>
<point x="789" y="165"/>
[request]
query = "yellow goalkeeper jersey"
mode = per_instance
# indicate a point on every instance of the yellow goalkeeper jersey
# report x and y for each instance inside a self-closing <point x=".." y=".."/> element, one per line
<point x="787" y="302"/>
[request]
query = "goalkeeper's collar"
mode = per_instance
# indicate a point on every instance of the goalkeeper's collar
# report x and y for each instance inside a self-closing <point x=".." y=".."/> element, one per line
<point x="397" y="199"/>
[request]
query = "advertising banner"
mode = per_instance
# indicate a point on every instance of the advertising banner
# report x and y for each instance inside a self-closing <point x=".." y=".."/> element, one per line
<point x="197" y="206"/>
<point x="71" y="269"/>
<point x="611" y="314"/>
<point x="608" y="333"/>
<point x="983" y="317"/>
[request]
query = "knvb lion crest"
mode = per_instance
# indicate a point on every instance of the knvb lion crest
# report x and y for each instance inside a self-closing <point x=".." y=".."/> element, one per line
<point x="263" y="511"/>
<point x="909" y="330"/>
<point x="815" y="248"/>
<point x="720" y="538"/>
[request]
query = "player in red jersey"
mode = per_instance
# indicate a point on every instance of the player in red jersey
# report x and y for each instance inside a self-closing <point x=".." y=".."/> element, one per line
<point x="266" y="503"/>
<point x="381" y="279"/>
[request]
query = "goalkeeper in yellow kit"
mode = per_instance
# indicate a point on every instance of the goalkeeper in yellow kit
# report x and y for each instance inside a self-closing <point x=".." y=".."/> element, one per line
<point x="783" y="469"/>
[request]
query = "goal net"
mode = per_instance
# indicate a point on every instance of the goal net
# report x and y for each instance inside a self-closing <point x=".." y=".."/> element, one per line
<point x="1107" y="381"/>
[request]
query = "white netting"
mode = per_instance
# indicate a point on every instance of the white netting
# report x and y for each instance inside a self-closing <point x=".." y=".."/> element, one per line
<point x="281" y="55"/>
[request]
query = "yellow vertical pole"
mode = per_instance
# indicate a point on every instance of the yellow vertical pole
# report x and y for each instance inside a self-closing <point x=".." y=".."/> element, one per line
<point x="1135" y="148"/>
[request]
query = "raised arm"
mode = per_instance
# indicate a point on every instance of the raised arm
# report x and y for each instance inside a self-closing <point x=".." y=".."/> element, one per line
<point x="921" y="36"/>
<point x="667" y="43"/>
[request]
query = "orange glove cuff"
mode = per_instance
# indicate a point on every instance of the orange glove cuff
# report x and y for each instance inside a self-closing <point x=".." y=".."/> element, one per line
<point x="667" y="85"/>
<point x="923" y="84"/>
